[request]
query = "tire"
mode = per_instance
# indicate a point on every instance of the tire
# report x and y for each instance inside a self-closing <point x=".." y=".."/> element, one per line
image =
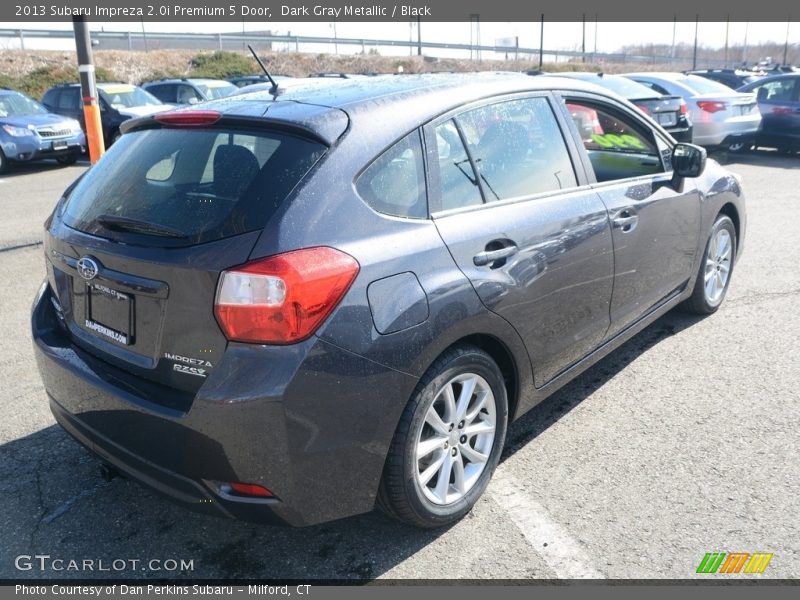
<point x="708" y="296"/>
<point x="3" y="162"/>
<point x="411" y="490"/>
<point x="740" y="147"/>
<point x="67" y="159"/>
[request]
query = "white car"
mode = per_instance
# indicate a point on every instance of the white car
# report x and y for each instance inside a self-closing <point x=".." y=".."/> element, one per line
<point x="721" y="116"/>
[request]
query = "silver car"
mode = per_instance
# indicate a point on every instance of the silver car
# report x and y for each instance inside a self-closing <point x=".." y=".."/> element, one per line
<point x="721" y="116"/>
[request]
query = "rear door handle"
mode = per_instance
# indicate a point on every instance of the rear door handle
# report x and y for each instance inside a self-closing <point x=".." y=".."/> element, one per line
<point x="489" y="256"/>
<point x="625" y="220"/>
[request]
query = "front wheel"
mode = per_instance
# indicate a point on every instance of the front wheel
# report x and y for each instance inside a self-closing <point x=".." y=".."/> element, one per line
<point x="716" y="268"/>
<point x="448" y="442"/>
<point x="739" y="147"/>
<point x="3" y="162"/>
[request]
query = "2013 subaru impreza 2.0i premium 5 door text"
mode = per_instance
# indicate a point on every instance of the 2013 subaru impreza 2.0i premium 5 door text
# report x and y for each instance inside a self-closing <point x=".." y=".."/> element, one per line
<point x="295" y="307"/>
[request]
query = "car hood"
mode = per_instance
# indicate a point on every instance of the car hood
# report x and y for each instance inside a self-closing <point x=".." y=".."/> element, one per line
<point x="143" y="111"/>
<point x="36" y="120"/>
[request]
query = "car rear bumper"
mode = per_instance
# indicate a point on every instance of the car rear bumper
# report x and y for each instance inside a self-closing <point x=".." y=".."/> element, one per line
<point x="735" y="129"/>
<point x="310" y="422"/>
<point x="34" y="148"/>
<point x="681" y="134"/>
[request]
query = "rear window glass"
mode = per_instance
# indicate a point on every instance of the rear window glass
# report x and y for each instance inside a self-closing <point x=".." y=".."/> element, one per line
<point x="395" y="183"/>
<point x="701" y="85"/>
<point x="173" y="187"/>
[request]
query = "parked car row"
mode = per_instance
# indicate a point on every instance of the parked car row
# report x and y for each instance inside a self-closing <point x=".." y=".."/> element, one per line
<point x="703" y="107"/>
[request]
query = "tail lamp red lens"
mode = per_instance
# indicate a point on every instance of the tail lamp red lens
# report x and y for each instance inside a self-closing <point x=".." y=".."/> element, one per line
<point x="712" y="106"/>
<point x="249" y="489"/>
<point x="284" y="298"/>
<point x="188" y="118"/>
<point x="684" y="107"/>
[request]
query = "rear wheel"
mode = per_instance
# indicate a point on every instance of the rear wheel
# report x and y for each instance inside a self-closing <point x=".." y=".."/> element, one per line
<point x="448" y="442"/>
<point x="716" y="268"/>
<point x="3" y="162"/>
<point x="739" y="147"/>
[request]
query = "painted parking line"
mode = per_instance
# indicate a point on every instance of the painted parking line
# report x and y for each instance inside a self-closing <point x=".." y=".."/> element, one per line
<point x="559" y="550"/>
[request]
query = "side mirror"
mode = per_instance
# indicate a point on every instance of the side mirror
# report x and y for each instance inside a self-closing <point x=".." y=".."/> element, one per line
<point x="688" y="160"/>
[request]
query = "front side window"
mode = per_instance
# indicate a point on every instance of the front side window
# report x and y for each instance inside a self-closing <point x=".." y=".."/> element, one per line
<point x="395" y="183"/>
<point x="517" y="148"/>
<point x="617" y="145"/>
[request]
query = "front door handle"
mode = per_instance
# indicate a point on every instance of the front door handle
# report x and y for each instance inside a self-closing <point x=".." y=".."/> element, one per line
<point x="625" y="220"/>
<point x="489" y="256"/>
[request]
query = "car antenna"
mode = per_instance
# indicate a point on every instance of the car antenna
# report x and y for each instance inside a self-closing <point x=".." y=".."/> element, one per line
<point x="274" y="89"/>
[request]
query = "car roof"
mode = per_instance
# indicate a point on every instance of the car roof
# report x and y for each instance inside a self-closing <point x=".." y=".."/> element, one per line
<point x="326" y="110"/>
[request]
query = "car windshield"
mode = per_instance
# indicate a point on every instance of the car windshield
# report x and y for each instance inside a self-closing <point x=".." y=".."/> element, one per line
<point x="701" y="85"/>
<point x="213" y="90"/>
<point x="177" y="186"/>
<point x="127" y="96"/>
<point x="17" y="105"/>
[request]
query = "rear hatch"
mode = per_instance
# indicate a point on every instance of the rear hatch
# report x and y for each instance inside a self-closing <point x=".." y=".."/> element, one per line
<point x="136" y="246"/>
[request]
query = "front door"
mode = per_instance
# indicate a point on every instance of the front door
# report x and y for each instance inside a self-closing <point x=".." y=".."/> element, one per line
<point x="521" y="224"/>
<point x="655" y="227"/>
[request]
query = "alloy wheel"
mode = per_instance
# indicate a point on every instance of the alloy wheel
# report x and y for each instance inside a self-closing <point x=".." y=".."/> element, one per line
<point x="718" y="265"/>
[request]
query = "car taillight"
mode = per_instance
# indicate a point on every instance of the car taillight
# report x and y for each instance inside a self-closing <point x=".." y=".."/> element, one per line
<point x="284" y="298"/>
<point x="188" y="118"/>
<point x="684" y="107"/>
<point x="712" y="106"/>
<point x="782" y="110"/>
<point x="247" y="489"/>
<point x="644" y="109"/>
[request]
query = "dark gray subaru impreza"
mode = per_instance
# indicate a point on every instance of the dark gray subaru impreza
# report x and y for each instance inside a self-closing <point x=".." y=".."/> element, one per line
<point x="295" y="307"/>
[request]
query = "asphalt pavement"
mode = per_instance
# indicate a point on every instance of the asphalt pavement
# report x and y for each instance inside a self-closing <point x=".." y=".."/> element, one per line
<point x="682" y="442"/>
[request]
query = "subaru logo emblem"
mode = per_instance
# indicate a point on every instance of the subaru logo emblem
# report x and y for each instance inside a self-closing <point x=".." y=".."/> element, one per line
<point x="87" y="268"/>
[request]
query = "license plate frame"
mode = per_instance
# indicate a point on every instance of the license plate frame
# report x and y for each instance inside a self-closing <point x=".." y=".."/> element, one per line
<point x="110" y="313"/>
<point x="60" y="145"/>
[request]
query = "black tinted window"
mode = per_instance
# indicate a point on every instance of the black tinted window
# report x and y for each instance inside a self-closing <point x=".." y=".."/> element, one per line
<point x="165" y="93"/>
<point x="395" y="183"/>
<point x="182" y="186"/>
<point x="69" y="99"/>
<point x="517" y="148"/>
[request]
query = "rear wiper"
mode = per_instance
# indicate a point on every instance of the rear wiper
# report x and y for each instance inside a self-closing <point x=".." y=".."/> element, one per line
<point x="116" y="223"/>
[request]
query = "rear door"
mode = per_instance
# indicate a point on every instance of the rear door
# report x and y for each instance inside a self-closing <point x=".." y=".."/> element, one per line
<point x="523" y="226"/>
<point x="655" y="227"/>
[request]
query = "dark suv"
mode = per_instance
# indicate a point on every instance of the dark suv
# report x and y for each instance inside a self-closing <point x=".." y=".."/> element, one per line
<point x="295" y="307"/>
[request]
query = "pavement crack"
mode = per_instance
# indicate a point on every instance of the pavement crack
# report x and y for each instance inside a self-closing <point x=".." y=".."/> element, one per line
<point x="20" y="246"/>
<point x="759" y="296"/>
<point x="70" y="502"/>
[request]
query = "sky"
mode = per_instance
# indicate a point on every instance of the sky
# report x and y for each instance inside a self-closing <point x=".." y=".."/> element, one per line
<point x="561" y="36"/>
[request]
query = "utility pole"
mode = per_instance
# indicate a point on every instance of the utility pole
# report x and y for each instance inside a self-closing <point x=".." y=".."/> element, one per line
<point x="594" y="54"/>
<point x="674" y="30"/>
<point x="727" y="27"/>
<point x="744" y="48"/>
<point x="694" y="54"/>
<point x="419" y="36"/>
<point x="583" y="40"/>
<point x="91" y="107"/>
<point x="786" y="44"/>
<point x="541" y="43"/>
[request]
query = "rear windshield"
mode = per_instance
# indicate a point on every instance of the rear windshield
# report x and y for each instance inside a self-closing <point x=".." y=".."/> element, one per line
<point x="627" y="88"/>
<point x="701" y="85"/>
<point x="176" y="187"/>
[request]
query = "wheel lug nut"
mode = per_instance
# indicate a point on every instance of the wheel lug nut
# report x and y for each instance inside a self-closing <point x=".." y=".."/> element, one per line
<point x="446" y="445"/>
<point x="461" y="425"/>
<point x="454" y="452"/>
<point x="463" y="439"/>
<point x="450" y="427"/>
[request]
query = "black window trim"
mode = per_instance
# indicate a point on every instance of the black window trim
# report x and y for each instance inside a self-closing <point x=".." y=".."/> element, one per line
<point x="568" y="136"/>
